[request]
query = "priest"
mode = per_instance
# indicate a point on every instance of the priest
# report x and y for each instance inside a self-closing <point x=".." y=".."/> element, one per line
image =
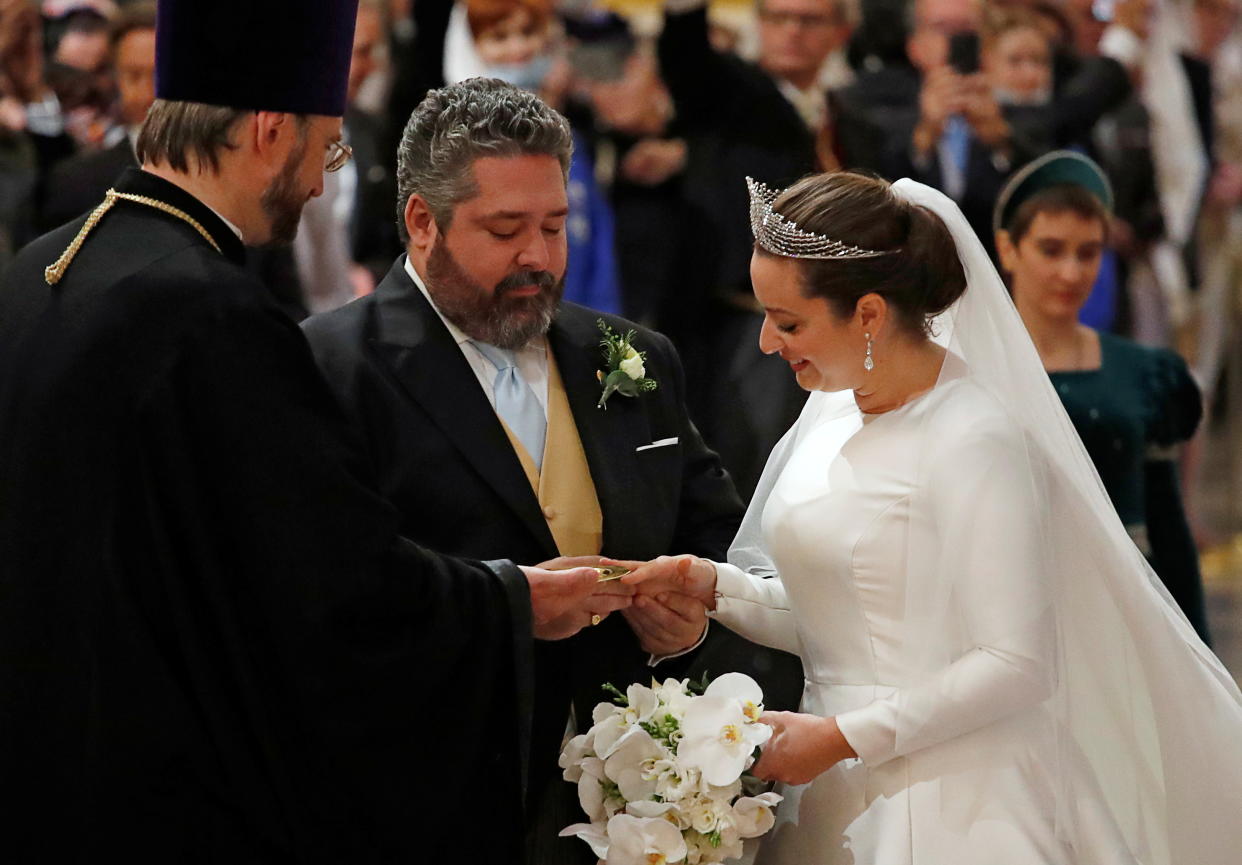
<point x="214" y="645"/>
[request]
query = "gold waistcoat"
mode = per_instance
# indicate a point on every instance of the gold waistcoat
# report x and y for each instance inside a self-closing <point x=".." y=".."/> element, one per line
<point x="564" y="487"/>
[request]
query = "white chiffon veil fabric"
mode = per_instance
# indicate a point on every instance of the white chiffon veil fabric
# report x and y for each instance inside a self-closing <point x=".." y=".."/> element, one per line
<point x="1145" y="722"/>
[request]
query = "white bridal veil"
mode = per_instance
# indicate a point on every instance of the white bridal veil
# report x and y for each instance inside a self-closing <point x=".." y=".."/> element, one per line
<point x="1145" y="722"/>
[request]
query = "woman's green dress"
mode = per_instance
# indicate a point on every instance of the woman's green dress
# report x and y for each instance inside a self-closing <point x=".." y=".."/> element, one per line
<point x="1130" y="413"/>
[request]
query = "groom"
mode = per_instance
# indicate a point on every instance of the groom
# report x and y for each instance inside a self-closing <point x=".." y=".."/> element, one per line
<point x="476" y="390"/>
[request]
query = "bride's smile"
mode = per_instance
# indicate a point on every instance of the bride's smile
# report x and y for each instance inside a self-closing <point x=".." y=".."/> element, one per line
<point x="830" y="352"/>
<point x="824" y="352"/>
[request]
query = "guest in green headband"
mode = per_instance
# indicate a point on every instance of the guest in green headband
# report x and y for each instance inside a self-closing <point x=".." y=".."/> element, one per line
<point x="1132" y="405"/>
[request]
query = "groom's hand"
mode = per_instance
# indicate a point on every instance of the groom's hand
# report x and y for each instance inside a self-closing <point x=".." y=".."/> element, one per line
<point x="564" y="602"/>
<point x="667" y="623"/>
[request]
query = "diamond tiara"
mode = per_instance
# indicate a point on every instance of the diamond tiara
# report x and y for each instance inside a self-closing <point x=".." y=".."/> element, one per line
<point x="782" y="236"/>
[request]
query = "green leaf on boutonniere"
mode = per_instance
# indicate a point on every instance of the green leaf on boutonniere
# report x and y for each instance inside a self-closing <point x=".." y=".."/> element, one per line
<point x="617" y="382"/>
<point x="625" y="369"/>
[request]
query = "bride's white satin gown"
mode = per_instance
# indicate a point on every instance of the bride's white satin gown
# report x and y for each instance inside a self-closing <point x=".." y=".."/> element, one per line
<point x="835" y="528"/>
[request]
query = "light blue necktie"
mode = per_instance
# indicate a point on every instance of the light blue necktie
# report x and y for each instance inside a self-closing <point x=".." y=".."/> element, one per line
<point x="515" y="401"/>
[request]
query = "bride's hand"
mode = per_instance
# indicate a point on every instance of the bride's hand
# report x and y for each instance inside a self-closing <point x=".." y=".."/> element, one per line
<point x="685" y="574"/>
<point x="802" y="747"/>
<point x="565" y="563"/>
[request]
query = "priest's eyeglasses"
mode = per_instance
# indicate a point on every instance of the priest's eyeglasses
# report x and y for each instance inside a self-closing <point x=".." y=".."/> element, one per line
<point x="337" y="155"/>
<point x="338" y="152"/>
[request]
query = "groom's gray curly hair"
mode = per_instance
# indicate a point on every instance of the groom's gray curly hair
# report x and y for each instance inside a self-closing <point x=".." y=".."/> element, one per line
<point x="455" y="125"/>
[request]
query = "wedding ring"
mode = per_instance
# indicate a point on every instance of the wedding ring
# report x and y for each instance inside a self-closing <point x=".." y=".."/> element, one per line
<point x="611" y="572"/>
<point x="596" y="618"/>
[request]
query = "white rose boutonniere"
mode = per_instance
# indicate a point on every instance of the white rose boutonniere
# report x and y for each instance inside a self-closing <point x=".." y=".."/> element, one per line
<point x="625" y="371"/>
<point x="633" y="365"/>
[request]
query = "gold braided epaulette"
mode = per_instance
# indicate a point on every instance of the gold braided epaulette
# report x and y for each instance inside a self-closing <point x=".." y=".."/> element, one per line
<point x="54" y="272"/>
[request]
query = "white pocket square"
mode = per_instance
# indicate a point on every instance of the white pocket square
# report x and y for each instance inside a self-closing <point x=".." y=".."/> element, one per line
<point x="662" y="443"/>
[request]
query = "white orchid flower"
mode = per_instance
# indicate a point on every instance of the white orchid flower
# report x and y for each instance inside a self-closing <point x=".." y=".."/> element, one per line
<point x="607" y="731"/>
<point x="727" y="793"/>
<point x="740" y="687"/>
<point x="665" y="771"/>
<point x="595" y="834"/>
<point x="642" y="704"/>
<point x="576" y="750"/>
<point x="718" y="740"/>
<point x="644" y="841"/>
<point x="666" y="765"/>
<point x="651" y="809"/>
<point x="591" y="790"/>
<point x="612" y="721"/>
<point x="674" y="696"/>
<point x="631" y="764"/>
<point x="669" y="686"/>
<point x="752" y="815"/>
<point x="604" y="711"/>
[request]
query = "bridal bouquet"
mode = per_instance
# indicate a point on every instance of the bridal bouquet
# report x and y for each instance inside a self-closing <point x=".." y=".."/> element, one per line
<point x="660" y="774"/>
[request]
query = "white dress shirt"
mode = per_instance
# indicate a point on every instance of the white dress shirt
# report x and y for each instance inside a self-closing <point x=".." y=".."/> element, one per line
<point x="532" y="359"/>
<point x="231" y="227"/>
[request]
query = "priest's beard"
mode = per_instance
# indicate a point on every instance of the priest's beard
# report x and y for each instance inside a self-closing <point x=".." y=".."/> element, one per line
<point x="494" y="317"/>
<point x="282" y="202"/>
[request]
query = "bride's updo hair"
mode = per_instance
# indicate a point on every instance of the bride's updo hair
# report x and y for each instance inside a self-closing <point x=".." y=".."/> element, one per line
<point x="922" y="279"/>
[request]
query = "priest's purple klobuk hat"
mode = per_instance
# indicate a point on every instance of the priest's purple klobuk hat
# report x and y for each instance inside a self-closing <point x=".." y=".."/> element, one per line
<point x="261" y="55"/>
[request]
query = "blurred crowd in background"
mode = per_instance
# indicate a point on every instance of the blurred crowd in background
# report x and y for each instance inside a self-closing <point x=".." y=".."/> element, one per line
<point x="673" y="105"/>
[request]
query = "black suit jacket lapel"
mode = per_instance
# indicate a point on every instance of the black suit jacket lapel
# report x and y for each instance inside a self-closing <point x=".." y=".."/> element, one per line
<point x="413" y="342"/>
<point x="609" y="436"/>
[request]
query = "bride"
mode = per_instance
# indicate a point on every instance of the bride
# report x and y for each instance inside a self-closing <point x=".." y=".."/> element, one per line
<point x="993" y="673"/>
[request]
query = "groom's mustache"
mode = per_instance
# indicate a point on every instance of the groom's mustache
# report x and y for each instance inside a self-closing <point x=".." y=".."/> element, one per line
<point x="523" y="278"/>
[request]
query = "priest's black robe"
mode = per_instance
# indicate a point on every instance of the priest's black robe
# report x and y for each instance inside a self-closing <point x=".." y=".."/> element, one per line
<point x="214" y="646"/>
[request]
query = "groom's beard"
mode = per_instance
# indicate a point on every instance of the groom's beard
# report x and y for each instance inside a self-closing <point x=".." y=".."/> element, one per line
<point x="494" y="317"/>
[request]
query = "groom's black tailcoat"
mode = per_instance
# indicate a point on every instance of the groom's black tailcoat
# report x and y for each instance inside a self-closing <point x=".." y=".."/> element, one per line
<point x="214" y="646"/>
<point x="444" y="460"/>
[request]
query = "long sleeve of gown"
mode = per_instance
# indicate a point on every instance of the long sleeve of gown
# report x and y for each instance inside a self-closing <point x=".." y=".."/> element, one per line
<point x="980" y="545"/>
<point x="756" y="607"/>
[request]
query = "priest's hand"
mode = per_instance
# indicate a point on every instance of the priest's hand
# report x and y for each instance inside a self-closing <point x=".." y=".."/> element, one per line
<point x="802" y="747"/>
<point x="564" y="602"/>
<point x="686" y="575"/>
<point x="666" y="623"/>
